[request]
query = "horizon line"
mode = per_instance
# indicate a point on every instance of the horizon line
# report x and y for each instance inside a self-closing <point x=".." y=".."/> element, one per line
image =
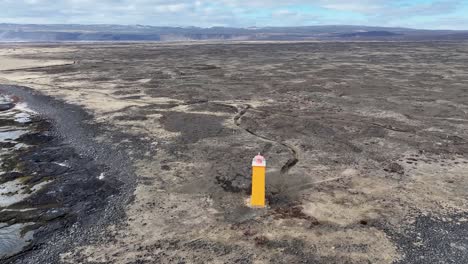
<point x="234" y="27"/>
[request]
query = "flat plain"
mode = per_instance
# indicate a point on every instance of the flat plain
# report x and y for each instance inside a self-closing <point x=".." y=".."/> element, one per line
<point x="366" y="146"/>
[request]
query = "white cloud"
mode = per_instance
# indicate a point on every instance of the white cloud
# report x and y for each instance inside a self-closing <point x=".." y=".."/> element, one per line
<point x="171" y="8"/>
<point x="226" y="12"/>
<point x="354" y="7"/>
<point x="284" y="12"/>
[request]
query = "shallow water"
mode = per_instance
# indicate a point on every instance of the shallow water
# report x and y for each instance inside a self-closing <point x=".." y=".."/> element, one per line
<point x="23" y="118"/>
<point x="13" y="237"/>
<point x="88" y="183"/>
<point x="11" y="135"/>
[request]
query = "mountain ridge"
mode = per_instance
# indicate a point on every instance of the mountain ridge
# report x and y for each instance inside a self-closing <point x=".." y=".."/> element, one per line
<point x="110" y="32"/>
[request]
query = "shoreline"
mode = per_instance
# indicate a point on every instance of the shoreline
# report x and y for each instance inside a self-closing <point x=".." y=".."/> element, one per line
<point x="82" y="194"/>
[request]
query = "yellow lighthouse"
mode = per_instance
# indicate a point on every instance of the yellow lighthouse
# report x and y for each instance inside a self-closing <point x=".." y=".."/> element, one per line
<point x="258" y="182"/>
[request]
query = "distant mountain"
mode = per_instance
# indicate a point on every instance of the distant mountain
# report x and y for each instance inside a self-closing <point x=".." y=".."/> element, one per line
<point x="369" y="34"/>
<point x="76" y="32"/>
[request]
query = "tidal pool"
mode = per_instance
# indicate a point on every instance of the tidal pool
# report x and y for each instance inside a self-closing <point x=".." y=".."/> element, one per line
<point x="14" y="238"/>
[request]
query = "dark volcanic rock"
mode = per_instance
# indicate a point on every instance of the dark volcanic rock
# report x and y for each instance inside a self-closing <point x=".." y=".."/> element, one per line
<point x="434" y="240"/>
<point x="7" y="106"/>
<point x="395" y="168"/>
<point x="78" y="180"/>
<point x="194" y="127"/>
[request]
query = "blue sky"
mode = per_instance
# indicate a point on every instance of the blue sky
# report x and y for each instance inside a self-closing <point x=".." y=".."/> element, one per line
<point x="430" y="14"/>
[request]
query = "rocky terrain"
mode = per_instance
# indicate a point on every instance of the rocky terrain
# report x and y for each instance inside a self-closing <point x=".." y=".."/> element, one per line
<point x="366" y="146"/>
<point x="53" y="182"/>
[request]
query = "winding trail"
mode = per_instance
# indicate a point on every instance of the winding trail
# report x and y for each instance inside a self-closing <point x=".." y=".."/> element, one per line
<point x="291" y="162"/>
<point x="241" y="111"/>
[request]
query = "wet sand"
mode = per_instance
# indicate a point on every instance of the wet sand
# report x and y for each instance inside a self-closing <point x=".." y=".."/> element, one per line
<point x="366" y="145"/>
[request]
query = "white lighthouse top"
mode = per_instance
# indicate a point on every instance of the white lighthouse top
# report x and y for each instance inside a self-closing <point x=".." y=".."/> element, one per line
<point x="259" y="161"/>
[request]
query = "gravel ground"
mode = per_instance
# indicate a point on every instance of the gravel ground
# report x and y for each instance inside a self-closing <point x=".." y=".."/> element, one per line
<point x="366" y="146"/>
